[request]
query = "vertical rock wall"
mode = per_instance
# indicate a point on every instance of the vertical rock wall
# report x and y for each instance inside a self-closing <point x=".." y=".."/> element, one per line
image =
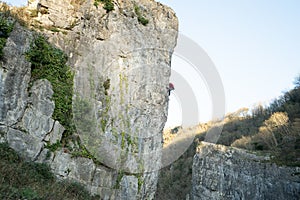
<point x="122" y="69"/>
<point x="221" y="172"/>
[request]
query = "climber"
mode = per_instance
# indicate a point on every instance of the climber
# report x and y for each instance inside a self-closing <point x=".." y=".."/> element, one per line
<point x="170" y="88"/>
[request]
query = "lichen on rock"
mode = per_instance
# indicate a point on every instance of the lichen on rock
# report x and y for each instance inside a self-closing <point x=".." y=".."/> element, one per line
<point x="119" y="101"/>
<point x="221" y="172"/>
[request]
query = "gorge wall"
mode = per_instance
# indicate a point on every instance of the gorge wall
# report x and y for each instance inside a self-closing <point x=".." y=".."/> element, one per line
<point x="120" y="59"/>
<point x="221" y="172"/>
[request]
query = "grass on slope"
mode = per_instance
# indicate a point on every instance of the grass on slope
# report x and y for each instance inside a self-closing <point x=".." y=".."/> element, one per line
<point x="33" y="181"/>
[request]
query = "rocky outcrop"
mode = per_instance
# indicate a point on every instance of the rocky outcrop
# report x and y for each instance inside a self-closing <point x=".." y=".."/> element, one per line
<point x="221" y="172"/>
<point x="37" y="117"/>
<point x="122" y="70"/>
<point x="121" y="67"/>
<point x="14" y="77"/>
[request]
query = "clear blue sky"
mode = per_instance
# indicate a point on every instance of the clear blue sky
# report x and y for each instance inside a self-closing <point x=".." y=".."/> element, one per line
<point x="254" y="44"/>
<point x="16" y="2"/>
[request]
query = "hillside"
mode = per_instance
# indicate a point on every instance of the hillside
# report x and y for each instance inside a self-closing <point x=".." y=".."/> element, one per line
<point x="272" y="131"/>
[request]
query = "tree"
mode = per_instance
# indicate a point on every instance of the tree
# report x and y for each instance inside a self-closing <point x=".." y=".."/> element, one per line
<point x="268" y="137"/>
<point x="258" y="111"/>
<point x="278" y="121"/>
<point x="297" y="82"/>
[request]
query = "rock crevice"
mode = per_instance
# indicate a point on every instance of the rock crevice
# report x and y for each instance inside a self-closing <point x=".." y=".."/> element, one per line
<point x="121" y="69"/>
<point x="221" y="172"/>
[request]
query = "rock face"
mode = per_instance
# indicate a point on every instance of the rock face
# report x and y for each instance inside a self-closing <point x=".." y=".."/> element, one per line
<point x="221" y="172"/>
<point x="122" y="69"/>
<point x="14" y="77"/>
<point x="37" y="117"/>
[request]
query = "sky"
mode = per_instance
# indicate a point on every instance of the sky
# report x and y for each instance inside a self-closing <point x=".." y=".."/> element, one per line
<point x="16" y="2"/>
<point x="254" y="45"/>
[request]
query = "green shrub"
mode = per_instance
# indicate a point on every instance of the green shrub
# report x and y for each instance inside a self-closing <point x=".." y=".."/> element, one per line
<point x="48" y="62"/>
<point x="83" y="152"/>
<point x="54" y="147"/>
<point x="29" y="193"/>
<point x="140" y="181"/>
<point x="141" y="19"/>
<point x="108" y="4"/>
<point x="245" y="142"/>
<point x="5" y="28"/>
<point x="8" y="154"/>
<point x="77" y="189"/>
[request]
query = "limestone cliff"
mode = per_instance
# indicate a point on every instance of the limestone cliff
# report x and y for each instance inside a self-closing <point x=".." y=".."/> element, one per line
<point x="221" y="172"/>
<point x="120" y="57"/>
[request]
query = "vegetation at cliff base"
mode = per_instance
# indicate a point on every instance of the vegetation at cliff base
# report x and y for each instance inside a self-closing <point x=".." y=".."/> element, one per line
<point x="48" y="62"/>
<point x="33" y="181"/>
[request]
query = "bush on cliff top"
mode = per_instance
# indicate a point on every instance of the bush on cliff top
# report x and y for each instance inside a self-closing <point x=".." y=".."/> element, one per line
<point x="5" y="28"/>
<point x="141" y="18"/>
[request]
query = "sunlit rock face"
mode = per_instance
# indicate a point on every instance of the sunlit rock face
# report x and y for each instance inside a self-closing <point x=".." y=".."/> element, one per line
<point x="221" y="172"/>
<point x="122" y="70"/>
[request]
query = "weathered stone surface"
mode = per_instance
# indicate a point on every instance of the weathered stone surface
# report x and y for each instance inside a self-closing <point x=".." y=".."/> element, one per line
<point x="32" y="4"/>
<point x="56" y="134"/>
<point x="122" y="72"/>
<point x="3" y="129"/>
<point x="37" y="118"/>
<point x="40" y="97"/>
<point x="149" y="185"/>
<point x="79" y="169"/>
<point x="26" y="145"/>
<point x="129" y="185"/>
<point x="61" y="14"/>
<point x="103" y="177"/>
<point x="104" y="183"/>
<point x="121" y="69"/>
<point x="107" y="193"/>
<point x="14" y="76"/>
<point x="221" y="172"/>
<point x="46" y="156"/>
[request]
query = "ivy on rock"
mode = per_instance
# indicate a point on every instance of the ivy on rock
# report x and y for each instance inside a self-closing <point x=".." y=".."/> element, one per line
<point x="48" y="62"/>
